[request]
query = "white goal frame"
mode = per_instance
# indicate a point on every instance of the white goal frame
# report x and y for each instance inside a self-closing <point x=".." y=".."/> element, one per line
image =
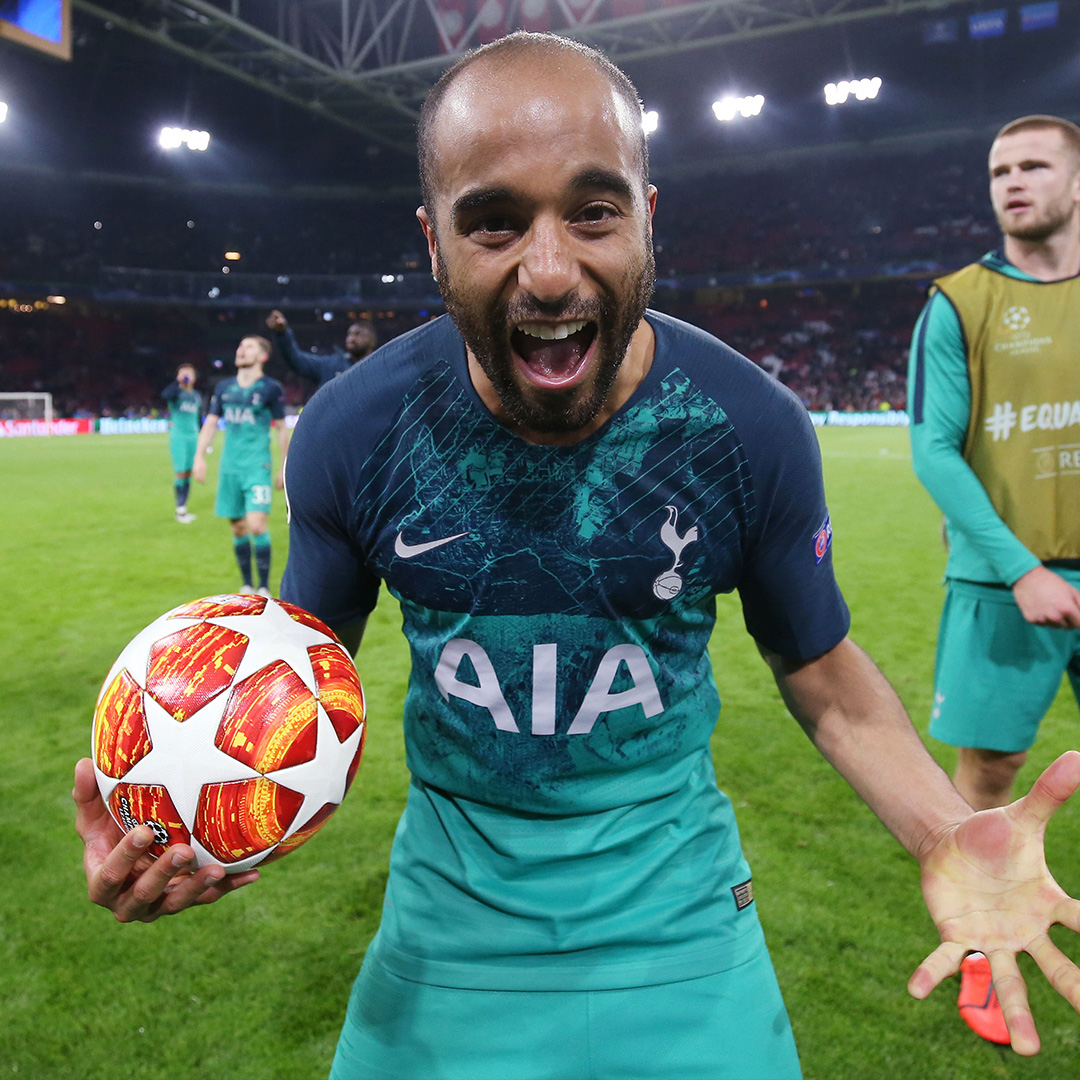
<point x="29" y="396"/>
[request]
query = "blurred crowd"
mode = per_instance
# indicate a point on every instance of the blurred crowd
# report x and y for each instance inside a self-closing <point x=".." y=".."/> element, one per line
<point x="830" y="261"/>
<point x="817" y="215"/>
<point x="115" y="361"/>
<point x="842" y="347"/>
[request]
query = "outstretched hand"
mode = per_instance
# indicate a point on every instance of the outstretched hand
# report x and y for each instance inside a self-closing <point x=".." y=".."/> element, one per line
<point x="988" y="889"/>
<point x="122" y="876"/>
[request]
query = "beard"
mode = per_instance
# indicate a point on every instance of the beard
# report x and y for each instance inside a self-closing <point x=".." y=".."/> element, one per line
<point x="1052" y="220"/>
<point x="486" y="330"/>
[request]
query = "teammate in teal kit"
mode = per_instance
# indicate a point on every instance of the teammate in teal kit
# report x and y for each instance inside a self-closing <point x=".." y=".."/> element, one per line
<point x="994" y="395"/>
<point x="556" y="482"/>
<point x="185" y="417"/>
<point x="251" y="403"/>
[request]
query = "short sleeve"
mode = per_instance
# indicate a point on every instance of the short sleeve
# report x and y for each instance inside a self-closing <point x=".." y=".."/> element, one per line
<point x="277" y="401"/>
<point x="326" y="572"/>
<point x="792" y="604"/>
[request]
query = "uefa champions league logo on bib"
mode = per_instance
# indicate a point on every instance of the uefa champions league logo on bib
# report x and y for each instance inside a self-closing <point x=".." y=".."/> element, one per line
<point x="1016" y="318"/>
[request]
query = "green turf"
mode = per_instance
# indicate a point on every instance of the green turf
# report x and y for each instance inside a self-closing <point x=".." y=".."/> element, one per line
<point x="255" y="986"/>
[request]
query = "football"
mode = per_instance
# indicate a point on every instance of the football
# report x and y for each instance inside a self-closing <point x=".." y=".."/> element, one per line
<point x="234" y="724"/>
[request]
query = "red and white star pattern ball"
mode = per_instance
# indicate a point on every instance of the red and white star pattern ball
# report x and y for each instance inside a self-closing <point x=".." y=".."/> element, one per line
<point x="234" y="724"/>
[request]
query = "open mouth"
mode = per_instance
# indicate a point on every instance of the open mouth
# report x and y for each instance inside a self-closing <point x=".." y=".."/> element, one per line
<point x="553" y="355"/>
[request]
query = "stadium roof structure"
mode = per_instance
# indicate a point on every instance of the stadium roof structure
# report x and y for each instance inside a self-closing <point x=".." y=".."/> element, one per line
<point x="366" y="64"/>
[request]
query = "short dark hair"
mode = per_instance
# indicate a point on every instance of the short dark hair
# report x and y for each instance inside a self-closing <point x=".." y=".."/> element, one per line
<point x="506" y="51"/>
<point x="1041" y="120"/>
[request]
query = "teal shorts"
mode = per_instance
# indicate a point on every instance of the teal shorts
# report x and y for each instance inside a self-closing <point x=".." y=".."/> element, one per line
<point x="996" y="674"/>
<point x="241" y="492"/>
<point x="182" y="451"/>
<point x="730" y="1026"/>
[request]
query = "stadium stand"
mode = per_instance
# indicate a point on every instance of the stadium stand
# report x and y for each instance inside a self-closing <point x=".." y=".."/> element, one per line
<point x="817" y="273"/>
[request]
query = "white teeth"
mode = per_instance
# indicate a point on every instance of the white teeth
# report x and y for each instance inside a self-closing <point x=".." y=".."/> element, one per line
<point x="549" y="332"/>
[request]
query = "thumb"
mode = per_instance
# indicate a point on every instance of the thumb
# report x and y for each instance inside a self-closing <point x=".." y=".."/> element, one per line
<point x="1058" y="782"/>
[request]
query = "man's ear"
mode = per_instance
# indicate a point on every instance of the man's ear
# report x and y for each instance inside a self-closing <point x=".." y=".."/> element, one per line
<point x="429" y="234"/>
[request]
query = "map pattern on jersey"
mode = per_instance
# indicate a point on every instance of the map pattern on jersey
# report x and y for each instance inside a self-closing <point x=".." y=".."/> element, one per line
<point x="557" y="550"/>
<point x="564" y="827"/>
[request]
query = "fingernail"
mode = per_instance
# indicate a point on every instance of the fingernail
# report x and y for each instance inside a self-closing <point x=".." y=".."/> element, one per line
<point x="179" y="860"/>
<point x="214" y="876"/>
<point x="141" y="839"/>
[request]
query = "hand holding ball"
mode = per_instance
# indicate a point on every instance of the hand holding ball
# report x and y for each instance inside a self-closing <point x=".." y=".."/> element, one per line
<point x="234" y="724"/>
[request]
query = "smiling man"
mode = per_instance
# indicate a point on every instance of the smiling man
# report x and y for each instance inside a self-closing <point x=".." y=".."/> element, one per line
<point x="994" y="392"/>
<point x="555" y="483"/>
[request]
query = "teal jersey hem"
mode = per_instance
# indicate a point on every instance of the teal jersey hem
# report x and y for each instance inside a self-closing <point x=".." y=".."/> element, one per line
<point x="558" y="905"/>
<point x="585" y="971"/>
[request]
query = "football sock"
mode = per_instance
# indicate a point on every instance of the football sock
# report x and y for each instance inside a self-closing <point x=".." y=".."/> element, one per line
<point x="180" y="490"/>
<point x="262" y="558"/>
<point x="242" y="549"/>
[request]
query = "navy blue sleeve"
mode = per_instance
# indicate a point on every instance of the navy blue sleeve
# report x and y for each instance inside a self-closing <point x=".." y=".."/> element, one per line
<point x="320" y="368"/>
<point x="290" y="352"/>
<point x="325" y="573"/>
<point x="216" y="408"/>
<point x="791" y="602"/>
<point x="276" y="400"/>
<point x="171" y="392"/>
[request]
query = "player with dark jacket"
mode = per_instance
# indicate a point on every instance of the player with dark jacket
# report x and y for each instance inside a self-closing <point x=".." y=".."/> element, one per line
<point x="360" y="340"/>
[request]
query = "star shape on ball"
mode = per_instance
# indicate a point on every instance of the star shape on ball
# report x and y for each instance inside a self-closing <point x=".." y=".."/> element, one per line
<point x="274" y="635"/>
<point x="322" y="779"/>
<point x="183" y="757"/>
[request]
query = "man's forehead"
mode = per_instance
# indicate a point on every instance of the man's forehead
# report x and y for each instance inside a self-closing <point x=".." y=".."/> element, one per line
<point x="539" y="95"/>
<point x="1028" y="142"/>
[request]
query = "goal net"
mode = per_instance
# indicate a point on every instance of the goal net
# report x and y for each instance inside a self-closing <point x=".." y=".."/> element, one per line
<point x="26" y="406"/>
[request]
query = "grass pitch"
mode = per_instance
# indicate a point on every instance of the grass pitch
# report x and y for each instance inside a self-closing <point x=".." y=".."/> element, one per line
<point x="255" y="987"/>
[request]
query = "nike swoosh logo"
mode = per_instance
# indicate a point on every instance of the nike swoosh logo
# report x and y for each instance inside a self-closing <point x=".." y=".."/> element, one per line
<point x="410" y="551"/>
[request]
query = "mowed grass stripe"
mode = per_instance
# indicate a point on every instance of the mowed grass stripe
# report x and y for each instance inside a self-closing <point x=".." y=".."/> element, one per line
<point x="256" y="986"/>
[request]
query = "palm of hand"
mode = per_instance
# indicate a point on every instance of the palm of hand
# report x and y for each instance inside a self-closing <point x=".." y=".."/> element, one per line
<point x="988" y="889"/>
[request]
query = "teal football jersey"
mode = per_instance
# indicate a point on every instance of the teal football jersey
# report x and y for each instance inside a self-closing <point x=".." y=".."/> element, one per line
<point x="247" y="413"/>
<point x="185" y="410"/>
<point x="564" y="829"/>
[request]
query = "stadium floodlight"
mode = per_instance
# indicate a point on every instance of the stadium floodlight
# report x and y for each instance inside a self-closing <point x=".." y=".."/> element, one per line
<point x="172" y="138"/>
<point x="859" y="89"/>
<point x="388" y="279"/>
<point x="232" y="256"/>
<point x="3" y="111"/>
<point x="726" y="109"/>
<point x="650" y="121"/>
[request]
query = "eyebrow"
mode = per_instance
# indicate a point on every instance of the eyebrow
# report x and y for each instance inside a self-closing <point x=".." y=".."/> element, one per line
<point x="1003" y="167"/>
<point x="595" y="179"/>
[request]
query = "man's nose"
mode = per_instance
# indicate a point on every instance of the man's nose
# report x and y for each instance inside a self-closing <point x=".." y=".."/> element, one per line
<point x="549" y="267"/>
